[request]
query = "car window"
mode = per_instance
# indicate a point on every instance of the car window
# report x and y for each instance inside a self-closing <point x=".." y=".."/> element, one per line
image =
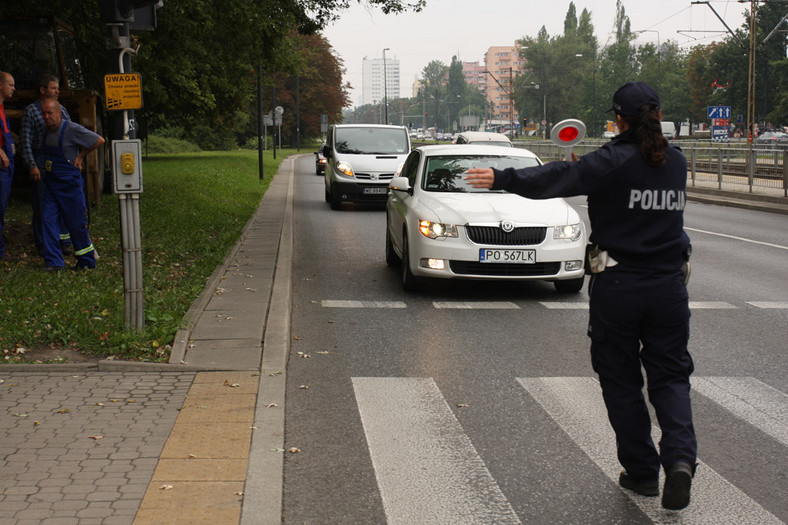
<point x="492" y="143"/>
<point x="411" y="167"/>
<point x="369" y="141"/>
<point x="447" y="173"/>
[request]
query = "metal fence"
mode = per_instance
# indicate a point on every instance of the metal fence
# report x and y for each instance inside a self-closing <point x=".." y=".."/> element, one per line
<point x="709" y="165"/>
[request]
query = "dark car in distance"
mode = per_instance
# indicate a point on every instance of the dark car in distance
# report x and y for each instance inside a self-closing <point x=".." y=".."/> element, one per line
<point x="320" y="161"/>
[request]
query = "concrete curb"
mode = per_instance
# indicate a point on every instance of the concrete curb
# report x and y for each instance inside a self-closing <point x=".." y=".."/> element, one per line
<point x="263" y="490"/>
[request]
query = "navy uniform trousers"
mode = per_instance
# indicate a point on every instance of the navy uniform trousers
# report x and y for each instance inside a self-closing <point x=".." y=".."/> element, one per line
<point x="63" y="196"/>
<point x="6" y="176"/>
<point x="639" y="317"/>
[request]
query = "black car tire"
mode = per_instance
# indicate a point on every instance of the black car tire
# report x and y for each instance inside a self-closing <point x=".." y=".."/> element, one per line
<point x="391" y="255"/>
<point x="570" y="285"/>
<point x="410" y="283"/>
<point x="335" y="200"/>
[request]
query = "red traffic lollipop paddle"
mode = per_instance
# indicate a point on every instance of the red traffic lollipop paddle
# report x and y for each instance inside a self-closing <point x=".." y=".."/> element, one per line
<point x="567" y="133"/>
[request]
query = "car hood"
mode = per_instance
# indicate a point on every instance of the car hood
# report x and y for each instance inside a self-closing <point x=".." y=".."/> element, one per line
<point x="479" y="208"/>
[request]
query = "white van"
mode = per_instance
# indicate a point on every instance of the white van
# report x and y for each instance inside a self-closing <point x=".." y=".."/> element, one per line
<point x="668" y="130"/>
<point x="362" y="159"/>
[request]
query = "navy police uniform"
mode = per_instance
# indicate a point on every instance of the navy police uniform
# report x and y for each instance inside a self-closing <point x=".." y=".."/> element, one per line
<point x="63" y="197"/>
<point x="639" y="306"/>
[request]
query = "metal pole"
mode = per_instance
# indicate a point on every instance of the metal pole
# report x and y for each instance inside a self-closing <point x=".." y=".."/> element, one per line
<point x="260" y="119"/>
<point x="385" y="86"/>
<point x="273" y="115"/>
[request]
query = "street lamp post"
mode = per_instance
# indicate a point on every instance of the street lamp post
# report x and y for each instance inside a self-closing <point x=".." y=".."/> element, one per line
<point x="385" y="85"/>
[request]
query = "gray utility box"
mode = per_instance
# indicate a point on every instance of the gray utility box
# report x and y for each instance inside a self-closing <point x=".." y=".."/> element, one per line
<point x="127" y="166"/>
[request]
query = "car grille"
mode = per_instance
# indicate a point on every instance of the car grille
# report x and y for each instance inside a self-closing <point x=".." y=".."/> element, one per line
<point x="368" y="176"/>
<point x="504" y="270"/>
<point x="493" y="235"/>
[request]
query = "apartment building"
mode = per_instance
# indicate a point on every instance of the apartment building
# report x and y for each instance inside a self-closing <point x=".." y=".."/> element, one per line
<point x="374" y="86"/>
<point x="503" y="64"/>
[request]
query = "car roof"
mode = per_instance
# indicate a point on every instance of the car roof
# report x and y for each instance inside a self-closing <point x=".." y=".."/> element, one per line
<point x="484" y="135"/>
<point x="474" y="149"/>
<point x="368" y="126"/>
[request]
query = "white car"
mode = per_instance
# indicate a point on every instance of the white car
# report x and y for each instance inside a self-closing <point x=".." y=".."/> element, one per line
<point x="438" y="226"/>
<point x="483" y="137"/>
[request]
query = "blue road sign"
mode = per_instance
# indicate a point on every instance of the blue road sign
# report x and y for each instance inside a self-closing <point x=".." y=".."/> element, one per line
<point x="719" y="111"/>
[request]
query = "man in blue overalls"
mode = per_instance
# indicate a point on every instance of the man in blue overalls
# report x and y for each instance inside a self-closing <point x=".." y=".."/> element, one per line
<point x="7" y="89"/>
<point x="65" y="146"/>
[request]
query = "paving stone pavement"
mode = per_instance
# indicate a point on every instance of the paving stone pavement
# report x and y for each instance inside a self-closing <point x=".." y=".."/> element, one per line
<point x="82" y="447"/>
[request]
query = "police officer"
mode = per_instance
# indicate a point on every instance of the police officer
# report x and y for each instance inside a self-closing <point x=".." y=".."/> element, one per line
<point x="65" y="146"/>
<point x="639" y="306"/>
<point x="7" y="150"/>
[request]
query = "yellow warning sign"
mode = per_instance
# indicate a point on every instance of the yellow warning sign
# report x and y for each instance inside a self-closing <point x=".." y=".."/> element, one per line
<point x="123" y="91"/>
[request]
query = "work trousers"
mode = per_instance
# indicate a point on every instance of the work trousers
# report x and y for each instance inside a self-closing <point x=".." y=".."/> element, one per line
<point x="6" y="176"/>
<point x="640" y="318"/>
<point x="64" y="199"/>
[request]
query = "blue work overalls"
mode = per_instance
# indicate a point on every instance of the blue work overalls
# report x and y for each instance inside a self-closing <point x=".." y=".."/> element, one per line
<point x="6" y="174"/>
<point x="63" y="197"/>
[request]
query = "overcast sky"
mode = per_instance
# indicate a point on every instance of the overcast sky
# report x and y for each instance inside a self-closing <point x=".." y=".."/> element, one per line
<point x="466" y="28"/>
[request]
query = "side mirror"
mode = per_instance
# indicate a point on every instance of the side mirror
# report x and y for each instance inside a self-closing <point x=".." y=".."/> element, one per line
<point x="326" y="150"/>
<point x="401" y="184"/>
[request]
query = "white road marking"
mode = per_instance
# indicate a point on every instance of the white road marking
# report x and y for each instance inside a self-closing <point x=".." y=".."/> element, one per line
<point x="362" y="304"/>
<point x="739" y="238"/>
<point x="557" y="305"/>
<point x="427" y="469"/>
<point x="575" y="403"/>
<point x="769" y="304"/>
<point x="710" y="305"/>
<point x="478" y="305"/>
<point x="757" y="403"/>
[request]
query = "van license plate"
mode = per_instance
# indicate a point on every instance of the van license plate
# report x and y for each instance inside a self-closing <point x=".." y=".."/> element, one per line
<point x="375" y="191"/>
<point x="487" y="255"/>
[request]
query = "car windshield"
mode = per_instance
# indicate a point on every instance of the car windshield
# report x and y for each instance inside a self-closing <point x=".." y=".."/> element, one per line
<point x="447" y="173"/>
<point x="371" y="141"/>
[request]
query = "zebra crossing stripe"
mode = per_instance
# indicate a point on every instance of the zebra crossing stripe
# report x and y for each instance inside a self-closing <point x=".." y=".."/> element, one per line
<point x="362" y="304"/>
<point x="758" y="404"/>
<point x="575" y="404"/>
<point x="478" y="305"/>
<point x="426" y="467"/>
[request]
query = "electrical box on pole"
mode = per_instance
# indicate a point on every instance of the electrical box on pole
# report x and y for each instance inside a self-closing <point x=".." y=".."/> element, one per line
<point x="123" y="91"/>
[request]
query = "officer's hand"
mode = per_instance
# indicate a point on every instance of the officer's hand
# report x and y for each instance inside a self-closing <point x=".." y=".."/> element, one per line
<point x="480" y="177"/>
<point x="35" y="174"/>
<point x="4" y="162"/>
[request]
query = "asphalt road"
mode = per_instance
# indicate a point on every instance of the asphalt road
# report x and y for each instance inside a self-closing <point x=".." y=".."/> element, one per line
<point x="475" y="402"/>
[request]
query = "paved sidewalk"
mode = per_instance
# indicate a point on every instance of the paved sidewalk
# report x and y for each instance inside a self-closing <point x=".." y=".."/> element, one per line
<point x="198" y="440"/>
<point x="122" y="443"/>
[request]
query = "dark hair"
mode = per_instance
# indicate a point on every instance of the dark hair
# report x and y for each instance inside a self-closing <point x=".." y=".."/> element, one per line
<point x="46" y="80"/>
<point x="648" y="135"/>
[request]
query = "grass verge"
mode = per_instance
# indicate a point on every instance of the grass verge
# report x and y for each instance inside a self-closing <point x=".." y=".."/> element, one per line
<point x="192" y="211"/>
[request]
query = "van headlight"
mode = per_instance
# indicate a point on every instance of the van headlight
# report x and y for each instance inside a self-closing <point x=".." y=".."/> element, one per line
<point x="571" y="232"/>
<point x="344" y="168"/>
<point x="435" y="230"/>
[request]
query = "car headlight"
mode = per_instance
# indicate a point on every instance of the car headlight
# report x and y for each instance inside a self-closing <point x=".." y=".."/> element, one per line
<point x="435" y="230"/>
<point x="568" y="231"/>
<point x="344" y="168"/>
